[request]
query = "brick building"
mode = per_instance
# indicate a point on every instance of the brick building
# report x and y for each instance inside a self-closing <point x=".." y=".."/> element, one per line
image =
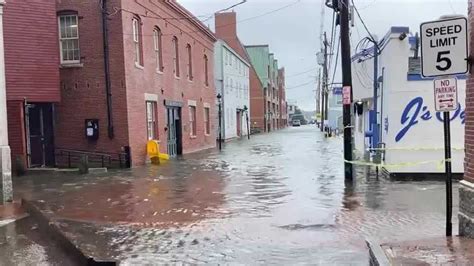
<point x="466" y="190"/>
<point x="266" y="67"/>
<point x="155" y="85"/>
<point x="283" y="118"/>
<point x="226" y="30"/>
<point x="32" y="79"/>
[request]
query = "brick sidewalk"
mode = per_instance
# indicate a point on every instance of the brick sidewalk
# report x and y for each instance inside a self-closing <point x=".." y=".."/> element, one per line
<point x="432" y="251"/>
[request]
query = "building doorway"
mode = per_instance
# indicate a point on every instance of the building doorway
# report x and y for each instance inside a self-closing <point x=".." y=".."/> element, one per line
<point x="39" y="123"/>
<point x="239" y="123"/>
<point x="175" y="146"/>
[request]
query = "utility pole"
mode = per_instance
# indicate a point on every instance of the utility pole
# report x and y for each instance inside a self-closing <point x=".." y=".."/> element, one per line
<point x="324" y="94"/>
<point x="325" y="76"/>
<point x="5" y="159"/>
<point x="346" y="82"/>
<point x="318" y="94"/>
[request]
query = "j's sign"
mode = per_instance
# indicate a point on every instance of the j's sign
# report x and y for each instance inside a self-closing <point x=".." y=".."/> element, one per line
<point x="444" y="48"/>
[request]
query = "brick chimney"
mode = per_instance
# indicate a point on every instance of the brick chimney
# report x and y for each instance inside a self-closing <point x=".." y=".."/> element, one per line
<point x="226" y="25"/>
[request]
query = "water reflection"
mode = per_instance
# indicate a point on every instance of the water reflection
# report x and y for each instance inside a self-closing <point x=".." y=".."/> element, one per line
<point x="280" y="198"/>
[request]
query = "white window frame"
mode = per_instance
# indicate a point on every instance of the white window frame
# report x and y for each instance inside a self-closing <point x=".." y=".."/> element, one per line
<point x="153" y="120"/>
<point x="192" y="121"/>
<point x="157" y="43"/>
<point x="206" y="70"/>
<point x="68" y="38"/>
<point x="136" y="41"/>
<point x="176" y="66"/>
<point x="207" y="120"/>
<point x="189" y="53"/>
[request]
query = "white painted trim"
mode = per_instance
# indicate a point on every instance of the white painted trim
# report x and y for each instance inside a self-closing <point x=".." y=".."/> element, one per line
<point x="467" y="184"/>
<point x="192" y="103"/>
<point x="137" y="65"/>
<point x="207" y="105"/>
<point x="151" y="97"/>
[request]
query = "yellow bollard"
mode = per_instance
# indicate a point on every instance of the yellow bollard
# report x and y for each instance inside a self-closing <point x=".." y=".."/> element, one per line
<point x="153" y="151"/>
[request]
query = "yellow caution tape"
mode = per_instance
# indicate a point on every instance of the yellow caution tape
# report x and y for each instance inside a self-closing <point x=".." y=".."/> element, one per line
<point x="399" y="165"/>
<point x="412" y="149"/>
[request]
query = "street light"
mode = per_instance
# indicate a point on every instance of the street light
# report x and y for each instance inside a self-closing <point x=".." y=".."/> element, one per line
<point x="246" y="110"/>
<point x="219" y="100"/>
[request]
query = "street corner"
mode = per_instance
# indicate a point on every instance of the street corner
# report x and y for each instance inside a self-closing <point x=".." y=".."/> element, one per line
<point x="80" y="240"/>
<point x="455" y="250"/>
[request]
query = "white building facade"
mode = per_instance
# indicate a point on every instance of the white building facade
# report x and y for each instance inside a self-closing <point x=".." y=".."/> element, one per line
<point x="232" y="82"/>
<point x="410" y="130"/>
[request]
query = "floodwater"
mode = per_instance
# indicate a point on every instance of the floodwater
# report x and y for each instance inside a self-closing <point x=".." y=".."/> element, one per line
<point x="279" y="198"/>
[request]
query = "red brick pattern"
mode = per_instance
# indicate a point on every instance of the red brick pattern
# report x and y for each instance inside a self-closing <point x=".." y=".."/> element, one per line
<point x="31" y="50"/>
<point x="84" y="87"/>
<point x="16" y="130"/>
<point x="83" y="94"/>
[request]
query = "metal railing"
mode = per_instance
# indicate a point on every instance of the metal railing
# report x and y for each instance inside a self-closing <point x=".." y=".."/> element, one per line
<point x="72" y="159"/>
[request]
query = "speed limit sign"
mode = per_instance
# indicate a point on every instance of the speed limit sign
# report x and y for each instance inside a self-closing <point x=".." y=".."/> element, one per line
<point x="444" y="48"/>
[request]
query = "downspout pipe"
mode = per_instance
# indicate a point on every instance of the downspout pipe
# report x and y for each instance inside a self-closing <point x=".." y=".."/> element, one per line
<point x="108" y="86"/>
<point x="375" y="124"/>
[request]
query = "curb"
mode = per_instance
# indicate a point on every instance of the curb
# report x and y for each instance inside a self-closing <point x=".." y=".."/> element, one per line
<point x="51" y="229"/>
<point x="377" y="255"/>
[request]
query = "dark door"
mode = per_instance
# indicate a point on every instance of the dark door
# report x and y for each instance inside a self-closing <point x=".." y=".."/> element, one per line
<point x="39" y="121"/>
<point x="239" y="124"/>
<point x="174" y="131"/>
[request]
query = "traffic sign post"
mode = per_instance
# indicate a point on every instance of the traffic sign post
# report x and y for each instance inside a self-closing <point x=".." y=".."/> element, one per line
<point x="444" y="49"/>
<point x="444" y="52"/>
<point x="446" y="100"/>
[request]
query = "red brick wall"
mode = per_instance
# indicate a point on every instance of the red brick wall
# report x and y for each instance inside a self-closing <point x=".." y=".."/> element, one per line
<point x="83" y="88"/>
<point x="31" y="50"/>
<point x="257" y="102"/>
<point x="140" y="81"/>
<point x="282" y="97"/>
<point x="469" y="134"/>
<point x="16" y="130"/>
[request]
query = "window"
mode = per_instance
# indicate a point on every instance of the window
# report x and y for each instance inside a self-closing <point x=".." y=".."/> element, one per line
<point x="206" y="70"/>
<point x="176" y="56"/>
<point x="69" y="39"/>
<point x="151" y="120"/>
<point x="157" y="45"/>
<point x="190" y="62"/>
<point x="192" y="120"/>
<point x="207" y="121"/>
<point x="226" y="56"/>
<point x="137" y="40"/>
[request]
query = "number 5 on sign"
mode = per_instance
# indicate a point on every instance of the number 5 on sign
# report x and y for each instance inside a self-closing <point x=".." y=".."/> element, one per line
<point x="444" y="49"/>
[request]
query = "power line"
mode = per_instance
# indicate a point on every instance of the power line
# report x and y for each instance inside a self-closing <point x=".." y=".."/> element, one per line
<point x="300" y="85"/>
<point x="225" y="9"/>
<point x="362" y="21"/>
<point x="301" y="73"/>
<point x="225" y="25"/>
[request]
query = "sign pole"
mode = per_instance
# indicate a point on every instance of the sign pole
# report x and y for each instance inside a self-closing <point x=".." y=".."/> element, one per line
<point x="444" y="50"/>
<point x="449" y="180"/>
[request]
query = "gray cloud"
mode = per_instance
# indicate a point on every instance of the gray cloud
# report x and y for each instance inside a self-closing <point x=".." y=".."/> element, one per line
<point x="293" y="33"/>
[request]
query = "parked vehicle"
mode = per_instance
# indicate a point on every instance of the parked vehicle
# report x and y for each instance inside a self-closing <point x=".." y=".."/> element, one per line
<point x="296" y="123"/>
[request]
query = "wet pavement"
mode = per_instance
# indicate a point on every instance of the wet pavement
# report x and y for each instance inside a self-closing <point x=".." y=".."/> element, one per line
<point x="279" y="198"/>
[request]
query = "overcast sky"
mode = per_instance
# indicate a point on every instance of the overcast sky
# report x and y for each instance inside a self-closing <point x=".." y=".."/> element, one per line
<point x="293" y="32"/>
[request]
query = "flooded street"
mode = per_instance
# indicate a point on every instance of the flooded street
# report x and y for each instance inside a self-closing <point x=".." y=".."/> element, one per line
<point x="279" y="198"/>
